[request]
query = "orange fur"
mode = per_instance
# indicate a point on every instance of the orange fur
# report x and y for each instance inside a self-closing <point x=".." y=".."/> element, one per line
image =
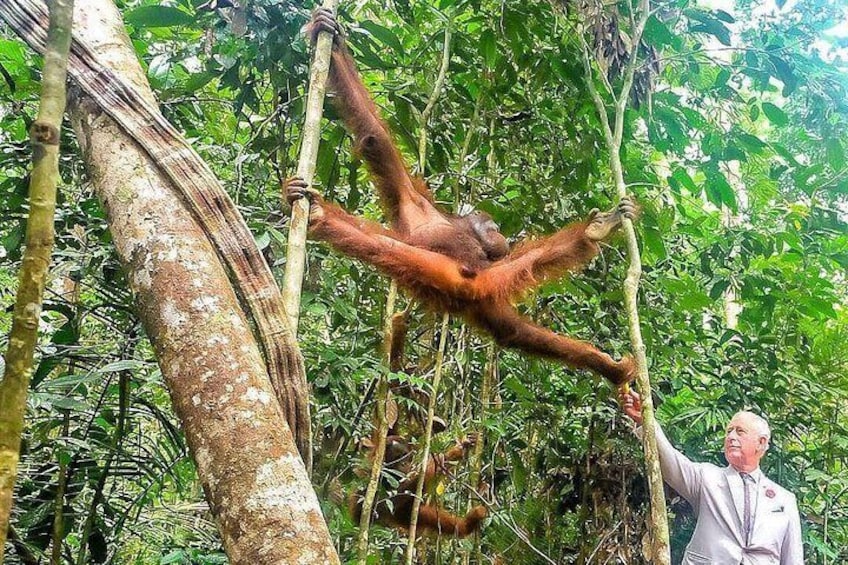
<point x="441" y="258"/>
<point x="396" y="511"/>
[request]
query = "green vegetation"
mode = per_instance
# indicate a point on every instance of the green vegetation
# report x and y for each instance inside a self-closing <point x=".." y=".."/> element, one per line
<point x="736" y="152"/>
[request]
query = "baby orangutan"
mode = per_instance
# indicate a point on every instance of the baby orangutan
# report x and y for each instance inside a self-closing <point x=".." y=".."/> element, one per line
<point x="396" y="510"/>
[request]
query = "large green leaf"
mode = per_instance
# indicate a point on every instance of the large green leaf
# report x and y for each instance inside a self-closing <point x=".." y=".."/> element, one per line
<point x="775" y="115"/>
<point x="383" y="34"/>
<point x="709" y="24"/>
<point x="158" y="16"/>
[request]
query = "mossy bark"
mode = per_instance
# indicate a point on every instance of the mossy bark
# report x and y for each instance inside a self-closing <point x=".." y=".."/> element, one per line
<point x="44" y="135"/>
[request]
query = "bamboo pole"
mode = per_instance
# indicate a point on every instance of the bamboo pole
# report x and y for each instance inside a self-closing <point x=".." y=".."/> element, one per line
<point x="296" y="248"/>
<point x="45" y="134"/>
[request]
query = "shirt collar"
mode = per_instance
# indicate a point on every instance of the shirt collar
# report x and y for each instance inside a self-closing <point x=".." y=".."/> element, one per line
<point x="756" y="474"/>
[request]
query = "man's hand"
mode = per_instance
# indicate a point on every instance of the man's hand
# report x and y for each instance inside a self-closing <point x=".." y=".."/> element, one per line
<point x="631" y="403"/>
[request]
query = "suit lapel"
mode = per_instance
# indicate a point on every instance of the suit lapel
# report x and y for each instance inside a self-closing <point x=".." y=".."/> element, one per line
<point x="737" y="496"/>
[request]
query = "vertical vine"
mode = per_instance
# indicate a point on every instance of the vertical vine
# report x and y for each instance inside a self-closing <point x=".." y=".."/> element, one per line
<point x="613" y="136"/>
<point x="381" y="426"/>
<point x="440" y="353"/>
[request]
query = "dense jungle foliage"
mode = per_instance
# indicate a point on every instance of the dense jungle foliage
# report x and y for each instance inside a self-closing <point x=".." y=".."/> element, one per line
<point x="734" y="146"/>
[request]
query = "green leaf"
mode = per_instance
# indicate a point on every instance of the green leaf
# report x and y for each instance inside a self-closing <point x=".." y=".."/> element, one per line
<point x="13" y="241"/>
<point x="733" y="153"/>
<point x="158" y="16"/>
<point x="125" y="365"/>
<point x="68" y="404"/>
<point x="719" y="191"/>
<point x="518" y="389"/>
<point x="721" y="78"/>
<point x="681" y="176"/>
<point x="198" y="81"/>
<point x="709" y="24"/>
<point x="724" y="16"/>
<point x="657" y="33"/>
<point x="488" y="48"/>
<point x="835" y="153"/>
<point x="713" y="195"/>
<point x="718" y="288"/>
<point x="515" y="30"/>
<point x="70" y="381"/>
<point x="654" y="241"/>
<point x="66" y="335"/>
<point x="177" y="556"/>
<point x="817" y="308"/>
<point x="262" y="240"/>
<point x="784" y="152"/>
<point x="751" y="142"/>
<point x="383" y="34"/>
<point x="784" y="72"/>
<point x="12" y="51"/>
<point x="775" y="115"/>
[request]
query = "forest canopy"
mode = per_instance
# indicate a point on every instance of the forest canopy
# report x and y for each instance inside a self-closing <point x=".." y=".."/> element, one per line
<point x="733" y="144"/>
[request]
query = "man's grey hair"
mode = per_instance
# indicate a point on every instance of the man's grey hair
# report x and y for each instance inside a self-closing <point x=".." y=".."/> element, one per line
<point x="761" y="424"/>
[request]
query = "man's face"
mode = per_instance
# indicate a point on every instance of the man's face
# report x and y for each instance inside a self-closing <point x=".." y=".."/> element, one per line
<point x="743" y="446"/>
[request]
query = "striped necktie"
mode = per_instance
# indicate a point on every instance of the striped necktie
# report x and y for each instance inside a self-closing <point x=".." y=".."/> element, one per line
<point x="747" y="514"/>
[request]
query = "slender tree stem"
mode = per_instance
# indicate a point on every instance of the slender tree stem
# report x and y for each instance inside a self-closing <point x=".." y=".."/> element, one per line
<point x="428" y="436"/>
<point x="45" y="134"/>
<point x="296" y="248"/>
<point x="434" y="96"/>
<point x="613" y="136"/>
<point x="382" y="428"/>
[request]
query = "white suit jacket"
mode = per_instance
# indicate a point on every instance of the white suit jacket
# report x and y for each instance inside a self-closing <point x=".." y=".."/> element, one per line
<point x="717" y="494"/>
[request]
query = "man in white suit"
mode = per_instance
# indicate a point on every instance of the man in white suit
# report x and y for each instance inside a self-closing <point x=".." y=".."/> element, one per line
<point x="743" y="517"/>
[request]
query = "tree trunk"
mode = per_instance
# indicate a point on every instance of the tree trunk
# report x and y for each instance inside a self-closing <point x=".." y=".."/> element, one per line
<point x="134" y="108"/>
<point x="254" y="480"/>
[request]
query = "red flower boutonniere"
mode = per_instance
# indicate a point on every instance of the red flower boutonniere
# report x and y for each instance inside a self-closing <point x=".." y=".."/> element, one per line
<point x="770" y="493"/>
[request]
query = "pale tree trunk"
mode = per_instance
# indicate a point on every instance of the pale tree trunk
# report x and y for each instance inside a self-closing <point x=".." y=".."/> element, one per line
<point x="732" y="305"/>
<point x="296" y="247"/>
<point x="254" y="480"/>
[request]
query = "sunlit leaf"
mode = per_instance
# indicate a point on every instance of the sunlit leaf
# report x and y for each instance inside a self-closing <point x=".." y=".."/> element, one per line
<point x="382" y="34"/>
<point x="775" y="115"/>
<point x="158" y="16"/>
